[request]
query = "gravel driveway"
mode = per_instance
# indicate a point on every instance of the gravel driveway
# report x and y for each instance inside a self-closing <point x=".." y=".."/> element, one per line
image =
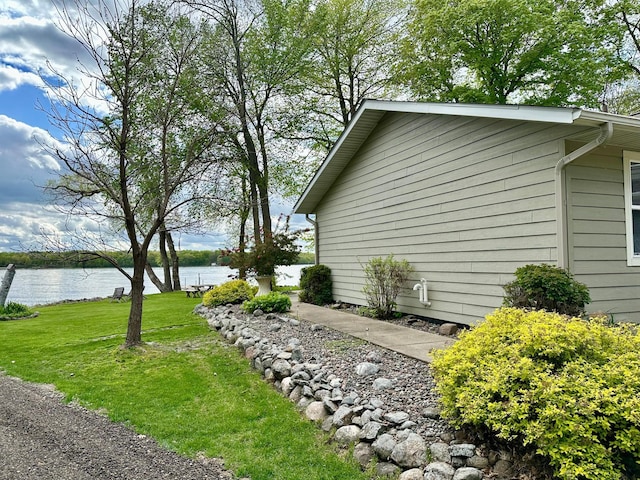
<point x="43" y="438"/>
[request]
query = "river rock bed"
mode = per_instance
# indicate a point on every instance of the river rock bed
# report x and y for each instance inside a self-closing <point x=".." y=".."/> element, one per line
<point x="377" y="400"/>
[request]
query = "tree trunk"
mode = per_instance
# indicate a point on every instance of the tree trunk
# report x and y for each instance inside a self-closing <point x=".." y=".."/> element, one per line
<point x="160" y="285"/>
<point x="6" y="283"/>
<point x="166" y="266"/>
<point x="175" y="263"/>
<point x="134" y="325"/>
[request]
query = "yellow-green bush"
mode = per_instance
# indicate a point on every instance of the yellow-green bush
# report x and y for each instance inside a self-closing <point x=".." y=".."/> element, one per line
<point x="235" y="291"/>
<point x="568" y="387"/>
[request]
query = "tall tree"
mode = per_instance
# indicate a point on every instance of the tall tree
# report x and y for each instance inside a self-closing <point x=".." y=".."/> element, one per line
<point x="350" y="60"/>
<point x="543" y="52"/>
<point x="624" y="97"/>
<point x="256" y="52"/>
<point x="109" y="171"/>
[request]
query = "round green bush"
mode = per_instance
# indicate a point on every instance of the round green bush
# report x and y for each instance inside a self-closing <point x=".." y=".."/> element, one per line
<point x="273" y="302"/>
<point x="546" y="287"/>
<point x="235" y="291"/>
<point x="568" y="387"/>
<point x="316" y="286"/>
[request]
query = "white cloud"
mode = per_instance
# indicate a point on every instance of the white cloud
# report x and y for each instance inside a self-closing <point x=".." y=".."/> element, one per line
<point x="31" y="45"/>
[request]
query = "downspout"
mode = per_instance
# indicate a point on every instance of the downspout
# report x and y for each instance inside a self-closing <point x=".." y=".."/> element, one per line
<point x="606" y="132"/>
<point x="316" y="243"/>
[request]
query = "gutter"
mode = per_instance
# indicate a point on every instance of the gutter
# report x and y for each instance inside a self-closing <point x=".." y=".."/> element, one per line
<point x="316" y="243"/>
<point x="606" y="132"/>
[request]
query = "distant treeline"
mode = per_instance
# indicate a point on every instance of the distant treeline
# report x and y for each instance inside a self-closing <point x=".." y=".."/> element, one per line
<point x="188" y="258"/>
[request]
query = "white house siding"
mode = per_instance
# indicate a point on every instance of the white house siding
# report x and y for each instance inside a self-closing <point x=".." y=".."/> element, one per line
<point x="597" y="242"/>
<point x="465" y="200"/>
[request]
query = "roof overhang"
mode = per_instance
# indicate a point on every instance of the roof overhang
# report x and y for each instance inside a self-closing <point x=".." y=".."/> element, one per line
<point x="627" y="132"/>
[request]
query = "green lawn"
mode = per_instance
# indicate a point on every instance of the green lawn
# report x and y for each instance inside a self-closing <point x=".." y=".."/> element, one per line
<point x="185" y="387"/>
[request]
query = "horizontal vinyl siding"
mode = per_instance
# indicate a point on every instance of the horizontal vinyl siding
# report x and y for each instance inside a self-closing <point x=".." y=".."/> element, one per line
<point x="597" y="235"/>
<point x="465" y="201"/>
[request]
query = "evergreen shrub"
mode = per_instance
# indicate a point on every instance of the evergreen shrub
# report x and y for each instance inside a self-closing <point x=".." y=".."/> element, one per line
<point x="235" y="291"/>
<point x="546" y="287"/>
<point x="316" y="285"/>
<point x="273" y="302"/>
<point x="568" y="387"/>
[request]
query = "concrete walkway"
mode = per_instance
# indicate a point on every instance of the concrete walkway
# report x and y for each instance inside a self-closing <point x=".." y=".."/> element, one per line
<point x="408" y="341"/>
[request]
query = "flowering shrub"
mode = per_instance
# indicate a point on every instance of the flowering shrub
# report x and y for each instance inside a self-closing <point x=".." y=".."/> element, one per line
<point x="235" y="291"/>
<point x="568" y="387"/>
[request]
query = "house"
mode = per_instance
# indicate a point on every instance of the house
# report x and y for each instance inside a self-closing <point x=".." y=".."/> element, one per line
<point x="468" y="193"/>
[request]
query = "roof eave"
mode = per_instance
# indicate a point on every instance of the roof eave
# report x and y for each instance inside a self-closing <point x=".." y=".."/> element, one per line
<point x="373" y="111"/>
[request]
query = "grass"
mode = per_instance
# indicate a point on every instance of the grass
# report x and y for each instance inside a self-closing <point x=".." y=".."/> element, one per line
<point x="186" y="388"/>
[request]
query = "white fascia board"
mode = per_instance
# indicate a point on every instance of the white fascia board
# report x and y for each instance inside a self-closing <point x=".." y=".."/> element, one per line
<point x="507" y="112"/>
<point x="332" y="153"/>
<point x="598" y="118"/>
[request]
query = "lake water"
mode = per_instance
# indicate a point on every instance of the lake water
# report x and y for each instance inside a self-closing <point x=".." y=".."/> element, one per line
<point x="42" y="286"/>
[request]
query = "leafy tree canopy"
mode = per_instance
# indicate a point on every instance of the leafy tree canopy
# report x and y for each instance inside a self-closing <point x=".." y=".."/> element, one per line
<point x="537" y="52"/>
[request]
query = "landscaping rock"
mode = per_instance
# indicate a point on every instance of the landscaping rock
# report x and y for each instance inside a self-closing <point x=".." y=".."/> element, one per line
<point x="366" y="369"/>
<point x="467" y="473"/>
<point x="330" y="405"/>
<point x="439" y="471"/>
<point x="316" y="412"/>
<point x="347" y="434"/>
<point x="384" y="445"/>
<point x="327" y="424"/>
<point x="412" y="474"/>
<point x="374" y="357"/>
<point x="363" y="453"/>
<point x="478" y="461"/>
<point x="387" y="470"/>
<point x="396" y="418"/>
<point x="448" y="329"/>
<point x="371" y="431"/>
<point x="431" y="412"/>
<point x="342" y="416"/>
<point x="411" y="452"/>
<point x="382" y="384"/>
<point x="465" y="450"/>
<point x="440" y="452"/>
<point x="281" y="368"/>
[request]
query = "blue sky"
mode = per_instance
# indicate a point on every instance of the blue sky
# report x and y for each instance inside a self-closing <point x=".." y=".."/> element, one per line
<point x="28" y="40"/>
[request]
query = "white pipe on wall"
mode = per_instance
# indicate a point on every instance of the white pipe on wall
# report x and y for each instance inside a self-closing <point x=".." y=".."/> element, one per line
<point x="424" y="292"/>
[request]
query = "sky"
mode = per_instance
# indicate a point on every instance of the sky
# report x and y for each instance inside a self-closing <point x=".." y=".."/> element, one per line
<point x="30" y="43"/>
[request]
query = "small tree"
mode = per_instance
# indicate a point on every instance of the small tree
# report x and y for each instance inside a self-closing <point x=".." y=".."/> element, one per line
<point x="384" y="280"/>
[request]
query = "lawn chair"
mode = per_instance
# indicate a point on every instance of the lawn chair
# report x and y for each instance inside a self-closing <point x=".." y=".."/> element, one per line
<point x="117" y="294"/>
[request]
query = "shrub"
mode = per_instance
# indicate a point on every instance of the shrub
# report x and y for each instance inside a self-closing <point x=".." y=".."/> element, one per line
<point x="545" y="287"/>
<point x="384" y="279"/>
<point x="316" y="285"/>
<point x="13" y="309"/>
<point x="235" y="291"/>
<point x="272" y="302"/>
<point x="568" y="387"/>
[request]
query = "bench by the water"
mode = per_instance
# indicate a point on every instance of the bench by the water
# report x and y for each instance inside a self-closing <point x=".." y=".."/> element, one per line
<point x="197" y="290"/>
